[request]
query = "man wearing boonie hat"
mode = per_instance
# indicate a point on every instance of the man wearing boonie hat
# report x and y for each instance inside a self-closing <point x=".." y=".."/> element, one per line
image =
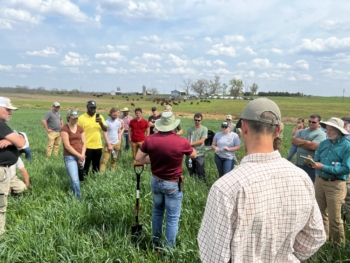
<point x="166" y="166"/>
<point x="178" y="130"/>
<point x="346" y="205"/>
<point x="52" y="123"/>
<point x="332" y="164"/>
<point x="264" y="210"/>
<point x="93" y="127"/>
<point x="126" y="118"/>
<point x="9" y="144"/>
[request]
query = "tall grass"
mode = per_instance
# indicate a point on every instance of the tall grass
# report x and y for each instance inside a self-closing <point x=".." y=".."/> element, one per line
<point x="48" y="224"/>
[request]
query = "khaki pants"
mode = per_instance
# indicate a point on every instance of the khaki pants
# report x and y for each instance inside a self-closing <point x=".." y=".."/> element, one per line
<point x="5" y="176"/>
<point x="17" y="185"/>
<point x="330" y="197"/>
<point x="346" y="204"/>
<point x="135" y="146"/>
<point x="54" y="141"/>
<point x="106" y="156"/>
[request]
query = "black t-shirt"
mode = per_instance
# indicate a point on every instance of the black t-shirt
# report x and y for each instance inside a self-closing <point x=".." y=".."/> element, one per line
<point x="8" y="155"/>
<point x="153" y="119"/>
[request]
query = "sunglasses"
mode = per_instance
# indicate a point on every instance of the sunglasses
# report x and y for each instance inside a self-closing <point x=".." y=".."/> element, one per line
<point x="224" y="127"/>
<point x="313" y="122"/>
<point x="197" y="120"/>
<point x="228" y="119"/>
<point x="57" y="106"/>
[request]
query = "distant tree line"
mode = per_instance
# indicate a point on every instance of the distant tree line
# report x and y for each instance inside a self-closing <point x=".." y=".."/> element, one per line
<point x="205" y="87"/>
<point x="280" y="94"/>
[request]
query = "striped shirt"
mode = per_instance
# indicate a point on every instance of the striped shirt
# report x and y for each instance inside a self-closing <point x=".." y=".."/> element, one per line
<point x="262" y="211"/>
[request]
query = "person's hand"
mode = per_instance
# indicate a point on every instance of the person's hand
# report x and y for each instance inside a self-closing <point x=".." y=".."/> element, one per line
<point x="99" y="120"/>
<point x="4" y="143"/>
<point x="217" y="149"/>
<point x="110" y="147"/>
<point x="225" y="148"/>
<point x="48" y="130"/>
<point x="317" y="166"/>
<point x="81" y="158"/>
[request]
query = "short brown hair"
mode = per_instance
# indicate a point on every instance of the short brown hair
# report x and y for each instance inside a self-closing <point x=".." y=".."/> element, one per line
<point x="258" y="127"/>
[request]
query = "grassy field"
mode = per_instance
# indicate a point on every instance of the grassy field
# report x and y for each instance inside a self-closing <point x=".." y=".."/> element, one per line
<point x="48" y="224"/>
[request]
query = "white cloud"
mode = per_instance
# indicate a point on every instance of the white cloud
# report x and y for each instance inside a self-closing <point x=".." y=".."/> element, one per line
<point x="220" y="49"/>
<point x="111" y="55"/>
<point x="21" y="16"/>
<point x="5" y="24"/>
<point x="115" y="70"/>
<point x="103" y="62"/>
<point x="276" y="51"/>
<point x="73" y="59"/>
<point x="152" y="39"/>
<point x="117" y="47"/>
<point x="219" y="71"/>
<point x="176" y="46"/>
<point x="50" y="68"/>
<point x="283" y="66"/>
<point x="201" y="62"/>
<point x="219" y="62"/>
<point x="73" y="70"/>
<point x="208" y="39"/>
<point x="47" y="52"/>
<point x="250" y="51"/>
<point x="96" y="71"/>
<point x="251" y="74"/>
<point x="24" y="66"/>
<point x="302" y="64"/>
<point x="264" y="76"/>
<point x="320" y="45"/>
<point x="305" y="77"/>
<point x="188" y="38"/>
<point x="182" y="70"/>
<point x="292" y="78"/>
<point x="233" y="39"/>
<point x="276" y="76"/>
<point x="330" y="25"/>
<point x="151" y="56"/>
<point x="260" y="63"/>
<point x="177" y="61"/>
<point x="327" y="71"/>
<point x="5" y="68"/>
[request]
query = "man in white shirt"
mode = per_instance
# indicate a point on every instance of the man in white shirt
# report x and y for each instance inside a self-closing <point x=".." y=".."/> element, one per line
<point x="265" y="209"/>
<point x="17" y="186"/>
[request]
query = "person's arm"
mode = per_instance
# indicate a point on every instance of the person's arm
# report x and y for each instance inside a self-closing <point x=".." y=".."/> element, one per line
<point x="147" y="131"/>
<point x="295" y="130"/>
<point x="121" y="131"/>
<point x="13" y="139"/>
<point x="311" y="237"/>
<point x="130" y="133"/>
<point x="198" y="142"/>
<point x="102" y="123"/>
<point x="193" y="154"/>
<point x="83" y="149"/>
<point x="44" y="122"/>
<point x="142" y="157"/>
<point x="70" y="149"/>
<point x="217" y="227"/>
<point x="61" y="122"/>
<point x="214" y="144"/>
<point x="25" y="176"/>
<point x="179" y="132"/>
<point x="109" y="146"/>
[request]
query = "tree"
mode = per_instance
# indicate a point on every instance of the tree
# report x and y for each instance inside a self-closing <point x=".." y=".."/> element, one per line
<point x="224" y="88"/>
<point x="200" y="86"/>
<point x="214" y="85"/>
<point x="153" y="91"/>
<point x="236" y="87"/>
<point x="186" y="85"/>
<point x="254" y="88"/>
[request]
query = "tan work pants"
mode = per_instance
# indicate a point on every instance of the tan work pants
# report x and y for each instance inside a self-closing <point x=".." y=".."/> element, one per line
<point x="53" y="142"/>
<point x="330" y="197"/>
<point x="106" y="156"/>
<point x="135" y="146"/>
<point x="5" y="176"/>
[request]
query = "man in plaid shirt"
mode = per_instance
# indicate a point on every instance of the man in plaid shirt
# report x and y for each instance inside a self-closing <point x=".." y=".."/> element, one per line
<point x="265" y="209"/>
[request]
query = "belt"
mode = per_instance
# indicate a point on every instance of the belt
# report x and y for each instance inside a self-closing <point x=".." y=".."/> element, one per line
<point x="173" y="180"/>
<point x="6" y="166"/>
<point x="330" y="179"/>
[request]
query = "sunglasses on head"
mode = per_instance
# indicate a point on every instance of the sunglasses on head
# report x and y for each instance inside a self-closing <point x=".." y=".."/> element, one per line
<point x="197" y="120"/>
<point x="313" y="122"/>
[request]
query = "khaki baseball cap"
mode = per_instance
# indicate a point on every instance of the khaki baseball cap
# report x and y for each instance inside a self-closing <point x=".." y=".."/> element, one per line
<point x="167" y="108"/>
<point x="256" y="108"/>
<point x="6" y="103"/>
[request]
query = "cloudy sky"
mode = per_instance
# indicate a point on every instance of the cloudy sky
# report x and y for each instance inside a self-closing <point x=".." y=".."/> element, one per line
<point x="98" y="45"/>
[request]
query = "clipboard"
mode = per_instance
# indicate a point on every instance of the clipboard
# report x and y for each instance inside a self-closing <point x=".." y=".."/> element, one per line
<point x="307" y="160"/>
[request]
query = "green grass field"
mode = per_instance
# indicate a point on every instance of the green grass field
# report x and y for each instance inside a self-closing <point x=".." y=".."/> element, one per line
<point x="48" y="224"/>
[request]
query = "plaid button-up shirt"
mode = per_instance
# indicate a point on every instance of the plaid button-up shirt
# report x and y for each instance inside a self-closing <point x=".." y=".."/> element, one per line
<point x="262" y="211"/>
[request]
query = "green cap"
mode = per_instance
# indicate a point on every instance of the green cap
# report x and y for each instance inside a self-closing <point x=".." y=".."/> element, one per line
<point x="256" y="108"/>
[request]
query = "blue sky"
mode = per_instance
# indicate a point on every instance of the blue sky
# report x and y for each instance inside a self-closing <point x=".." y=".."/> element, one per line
<point x="98" y="45"/>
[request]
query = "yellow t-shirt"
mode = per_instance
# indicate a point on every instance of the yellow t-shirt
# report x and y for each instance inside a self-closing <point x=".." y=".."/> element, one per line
<point x="92" y="130"/>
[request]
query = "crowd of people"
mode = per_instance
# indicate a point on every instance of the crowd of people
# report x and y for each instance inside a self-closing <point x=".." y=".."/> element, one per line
<point x="253" y="213"/>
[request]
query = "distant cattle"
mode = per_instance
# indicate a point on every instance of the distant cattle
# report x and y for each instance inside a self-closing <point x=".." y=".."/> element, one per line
<point x="132" y="104"/>
<point x="191" y="103"/>
<point x="127" y="99"/>
<point x="197" y="103"/>
<point x="113" y="98"/>
<point x="175" y="103"/>
<point x="141" y="97"/>
<point x="137" y="99"/>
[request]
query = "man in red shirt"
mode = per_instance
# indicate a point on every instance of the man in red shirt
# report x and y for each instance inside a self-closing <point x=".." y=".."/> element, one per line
<point x="166" y="166"/>
<point x="138" y="131"/>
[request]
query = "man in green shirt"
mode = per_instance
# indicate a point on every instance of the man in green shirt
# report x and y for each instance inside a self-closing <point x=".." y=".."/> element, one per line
<point x="307" y="141"/>
<point x="196" y="136"/>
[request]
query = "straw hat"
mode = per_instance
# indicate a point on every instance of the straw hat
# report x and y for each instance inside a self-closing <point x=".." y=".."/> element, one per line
<point x="336" y="123"/>
<point x="167" y="122"/>
<point x="125" y="109"/>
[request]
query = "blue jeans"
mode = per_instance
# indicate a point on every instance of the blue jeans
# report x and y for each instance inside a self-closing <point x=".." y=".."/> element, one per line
<point x="292" y="151"/>
<point x="126" y="139"/>
<point x="72" y="169"/>
<point x="28" y="153"/>
<point x="224" y="165"/>
<point x="168" y="198"/>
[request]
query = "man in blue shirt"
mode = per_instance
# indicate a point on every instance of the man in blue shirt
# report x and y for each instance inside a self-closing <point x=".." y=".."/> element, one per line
<point x="332" y="164"/>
